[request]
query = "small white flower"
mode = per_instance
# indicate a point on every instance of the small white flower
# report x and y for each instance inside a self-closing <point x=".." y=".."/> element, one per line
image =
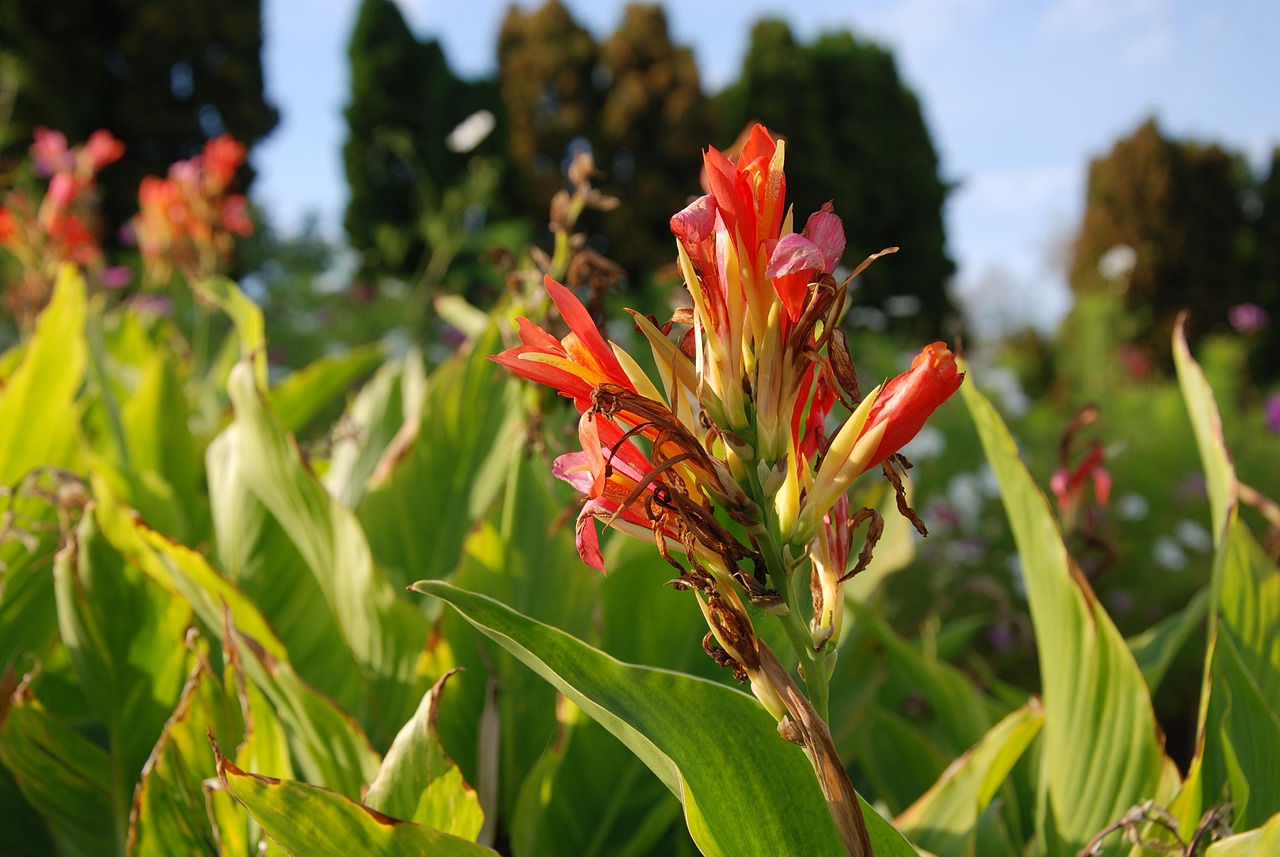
<point x="1132" y="507"/>
<point x="1194" y="536"/>
<point x="1168" y="554"/>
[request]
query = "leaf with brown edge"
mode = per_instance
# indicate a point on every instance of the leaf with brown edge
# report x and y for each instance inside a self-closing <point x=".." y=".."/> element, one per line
<point x="418" y="781"/>
<point x="306" y="819"/>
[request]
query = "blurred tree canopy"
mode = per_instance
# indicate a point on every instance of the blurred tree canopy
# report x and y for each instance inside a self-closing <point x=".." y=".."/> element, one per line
<point x="858" y="137"/>
<point x="1203" y="230"/>
<point x="404" y="103"/>
<point x="162" y="77"/>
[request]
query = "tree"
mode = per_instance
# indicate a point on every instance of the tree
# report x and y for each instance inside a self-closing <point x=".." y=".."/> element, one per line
<point x="404" y="103"/>
<point x="164" y="81"/>
<point x="652" y="127"/>
<point x="551" y="91"/>
<point x="1179" y="205"/>
<point x="841" y="102"/>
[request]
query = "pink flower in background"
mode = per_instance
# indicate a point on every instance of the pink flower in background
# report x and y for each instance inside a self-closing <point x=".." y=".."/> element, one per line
<point x="1271" y="412"/>
<point x="1248" y="318"/>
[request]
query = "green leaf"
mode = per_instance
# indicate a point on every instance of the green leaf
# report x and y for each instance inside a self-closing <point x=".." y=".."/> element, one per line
<point x="1239" y="724"/>
<point x="38" y="423"/>
<point x="302" y="395"/>
<point x="329" y="746"/>
<point x="375" y="416"/>
<point x="210" y="594"/>
<point x="1100" y="732"/>
<point x="170" y="815"/>
<point x="311" y="820"/>
<point x="247" y="318"/>
<point x="124" y="634"/>
<point x="590" y="796"/>
<point x="1263" y="842"/>
<point x="945" y="819"/>
<point x="744" y="790"/>
<point x="255" y="552"/>
<point x="1220" y="476"/>
<point x="445" y="468"/>
<point x="419" y="782"/>
<point x="163" y="469"/>
<point x="65" y="777"/>
<point x="384" y="632"/>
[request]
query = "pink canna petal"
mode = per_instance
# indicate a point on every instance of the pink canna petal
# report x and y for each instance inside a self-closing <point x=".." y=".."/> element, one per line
<point x="695" y="222"/>
<point x="825" y="229"/>
<point x="793" y="254"/>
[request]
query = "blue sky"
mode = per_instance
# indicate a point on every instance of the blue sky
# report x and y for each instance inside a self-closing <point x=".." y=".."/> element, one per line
<point x="1018" y="95"/>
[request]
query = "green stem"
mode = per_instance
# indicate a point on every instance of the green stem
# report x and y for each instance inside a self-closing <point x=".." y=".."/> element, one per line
<point x="791" y="584"/>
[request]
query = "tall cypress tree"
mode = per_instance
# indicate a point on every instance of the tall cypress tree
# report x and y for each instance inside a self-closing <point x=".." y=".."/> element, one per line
<point x="404" y="103"/>
<point x="162" y="79"/>
<point x="552" y="90"/>
<point x="1179" y="206"/>
<point x="651" y="129"/>
<point x="859" y="137"/>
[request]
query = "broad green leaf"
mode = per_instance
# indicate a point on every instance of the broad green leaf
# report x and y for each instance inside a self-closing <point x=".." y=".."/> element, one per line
<point x="513" y="556"/>
<point x="1100" y="733"/>
<point x="124" y="634"/>
<point x="170" y="814"/>
<point x="1239" y="728"/>
<point x="163" y="468"/>
<point x="1262" y="842"/>
<point x="65" y="777"/>
<point x="311" y="820"/>
<point x="302" y="395"/>
<point x="210" y="594"/>
<point x="246" y="316"/>
<point x="384" y="632"/>
<point x="445" y="468"/>
<point x="590" y="796"/>
<point x="945" y="820"/>
<point x="255" y="552"/>
<point x="328" y="744"/>
<point x="419" y="782"/>
<point x="1155" y="648"/>
<point x="744" y="790"/>
<point x="38" y="423"/>
<point x="961" y="714"/>
<point x="1220" y="476"/>
<point x="375" y="417"/>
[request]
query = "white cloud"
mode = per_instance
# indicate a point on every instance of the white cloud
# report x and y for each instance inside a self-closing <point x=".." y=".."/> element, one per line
<point x="1021" y="190"/>
<point x="1095" y="17"/>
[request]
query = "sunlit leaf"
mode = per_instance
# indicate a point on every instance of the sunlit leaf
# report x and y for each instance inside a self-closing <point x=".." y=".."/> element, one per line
<point x="945" y="819"/>
<point x="383" y="631"/>
<point x="445" y="468"/>
<point x="65" y="777"/>
<point x="170" y="815"/>
<point x="1100" y="733"/>
<point x="1262" y="842"/>
<point x="311" y="820"/>
<point x="419" y="782"/>
<point x="124" y="633"/>
<point x="712" y="746"/>
<point x="303" y="394"/>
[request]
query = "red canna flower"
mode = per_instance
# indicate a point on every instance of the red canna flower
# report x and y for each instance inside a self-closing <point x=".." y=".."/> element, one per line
<point x="908" y="400"/>
<point x="575" y="365"/>
<point x="885" y="422"/>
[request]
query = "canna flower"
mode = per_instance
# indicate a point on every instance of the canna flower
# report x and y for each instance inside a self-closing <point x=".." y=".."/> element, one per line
<point x="188" y="220"/>
<point x="574" y="365"/>
<point x="885" y="422"/>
